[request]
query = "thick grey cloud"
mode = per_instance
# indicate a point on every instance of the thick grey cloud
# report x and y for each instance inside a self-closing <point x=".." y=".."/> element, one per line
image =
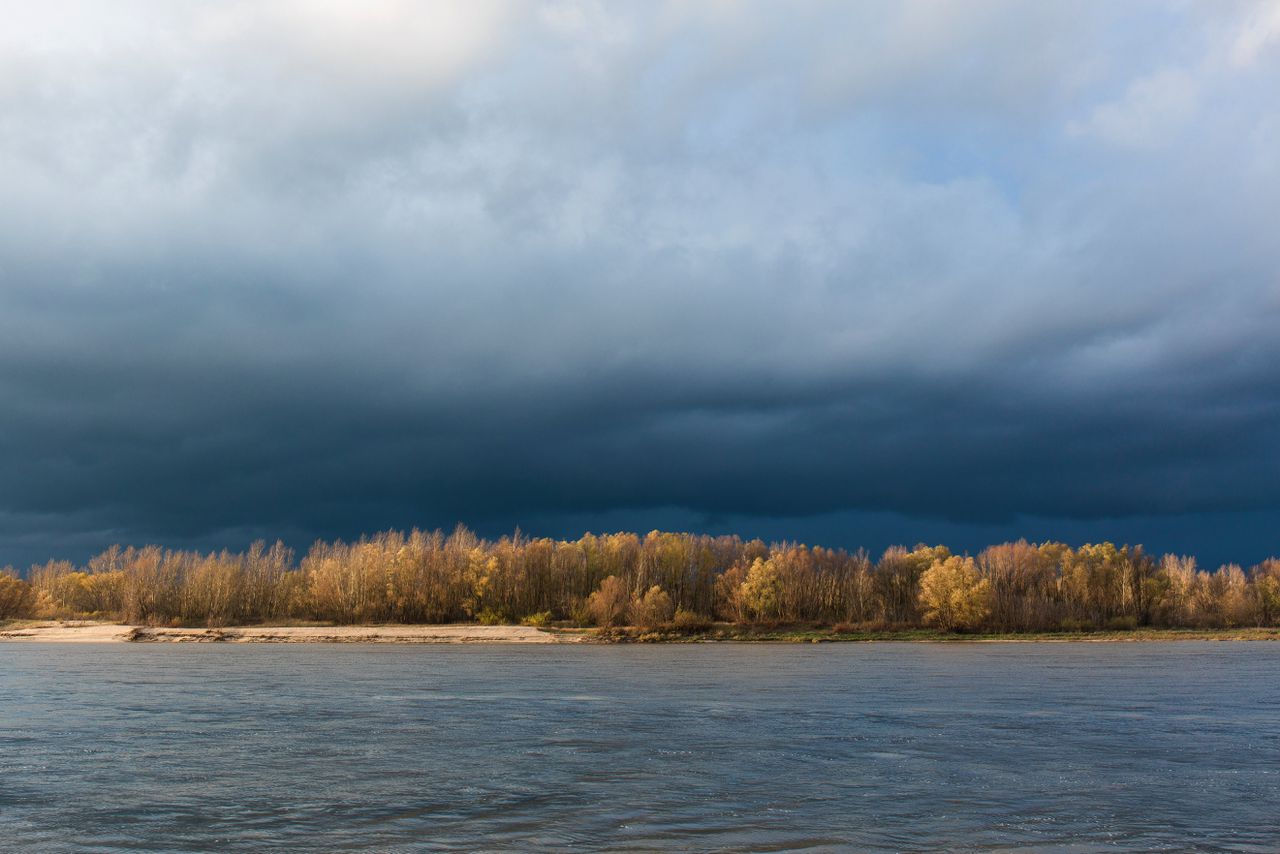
<point x="318" y="268"/>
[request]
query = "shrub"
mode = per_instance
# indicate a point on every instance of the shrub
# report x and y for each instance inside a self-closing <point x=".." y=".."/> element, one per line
<point x="579" y="613"/>
<point x="689" y="621"/>
<point x="1122" y="624"/>
<point x="1071" y="624"/>
<point x="653" y="609"/>
<point x="538" y="620"/>
<point x="491" y="617"/>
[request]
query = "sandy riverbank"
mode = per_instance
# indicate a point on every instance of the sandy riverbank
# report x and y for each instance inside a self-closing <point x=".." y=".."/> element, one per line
<point x="111" y="633"/>
<point x="98" y="632"/>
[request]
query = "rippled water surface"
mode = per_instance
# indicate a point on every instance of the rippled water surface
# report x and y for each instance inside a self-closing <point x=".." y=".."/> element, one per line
<point x="734" y="747"/>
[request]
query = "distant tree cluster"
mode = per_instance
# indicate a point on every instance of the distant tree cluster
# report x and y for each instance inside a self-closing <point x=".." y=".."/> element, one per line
<point x="661" y="579"/>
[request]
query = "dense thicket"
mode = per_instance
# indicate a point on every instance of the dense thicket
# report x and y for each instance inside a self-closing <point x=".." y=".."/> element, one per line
<point x="658" y="579"/>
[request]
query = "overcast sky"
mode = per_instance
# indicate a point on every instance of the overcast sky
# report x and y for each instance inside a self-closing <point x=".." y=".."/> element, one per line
<point x="848" y="273"/>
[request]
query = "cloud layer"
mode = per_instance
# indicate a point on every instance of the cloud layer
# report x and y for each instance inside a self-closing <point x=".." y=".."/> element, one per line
<point x="318" y="268"/>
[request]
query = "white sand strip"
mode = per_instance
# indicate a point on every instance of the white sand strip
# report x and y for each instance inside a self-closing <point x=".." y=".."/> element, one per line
<point x="107" y="632"/>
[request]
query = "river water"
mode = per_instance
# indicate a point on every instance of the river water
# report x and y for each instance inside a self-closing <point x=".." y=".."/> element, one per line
<point x="1071" y="747"/>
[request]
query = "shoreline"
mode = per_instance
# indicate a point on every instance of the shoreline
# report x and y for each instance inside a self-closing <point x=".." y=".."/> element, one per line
<point x="80" y="631"/>
<point x="87" y="632"/>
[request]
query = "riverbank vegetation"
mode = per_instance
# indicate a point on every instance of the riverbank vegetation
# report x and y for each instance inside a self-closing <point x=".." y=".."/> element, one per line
<point x="663" y="584"/>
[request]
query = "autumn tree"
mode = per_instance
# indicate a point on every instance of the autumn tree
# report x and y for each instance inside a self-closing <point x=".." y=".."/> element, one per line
<point x="1023" y="584"/>
<point x="954" y="595"/>
<point x="1179" y="574"/>
<point x="17" y="599"/>
<point x="1265" y="581"/>
<point x="762" y="590"/>
<point x="651" y="609"/>
<point x="608" y="604"/>
<point x="897" y="580"/>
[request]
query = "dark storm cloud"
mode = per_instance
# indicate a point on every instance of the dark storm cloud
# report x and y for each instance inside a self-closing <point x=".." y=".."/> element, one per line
<point x="314" y="270"/>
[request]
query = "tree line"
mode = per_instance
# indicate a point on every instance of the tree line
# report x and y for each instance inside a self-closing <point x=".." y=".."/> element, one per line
<point x="660" y="579"/>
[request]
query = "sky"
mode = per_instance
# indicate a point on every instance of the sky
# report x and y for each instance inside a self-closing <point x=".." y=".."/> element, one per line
<point x="844" y="273"/>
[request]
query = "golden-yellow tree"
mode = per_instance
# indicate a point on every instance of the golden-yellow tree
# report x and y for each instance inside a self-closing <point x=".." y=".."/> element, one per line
<point x="762" y="591"/>
<point x="17" y="599"/>
<point x="953" y="595"/>
<point x="608" y="605"/>
<point x="652" y="609"/>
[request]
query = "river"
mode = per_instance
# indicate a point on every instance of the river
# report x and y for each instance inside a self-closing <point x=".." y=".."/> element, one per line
<point x="887" y="746"/>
